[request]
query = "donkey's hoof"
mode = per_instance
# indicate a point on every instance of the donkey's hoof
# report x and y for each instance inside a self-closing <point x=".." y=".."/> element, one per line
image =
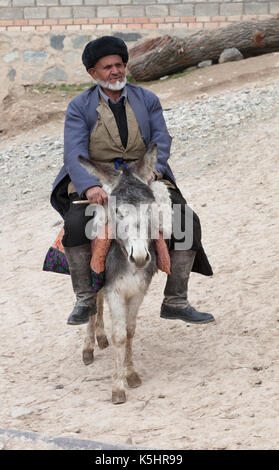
<point x="118" y="397"/>
<point x="102" y="342"/>
<point x="133" y="380"/>
<point x="88" y="357"/>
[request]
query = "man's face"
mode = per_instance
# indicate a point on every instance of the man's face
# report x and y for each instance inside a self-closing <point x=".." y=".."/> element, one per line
<point x="109" y="71"/>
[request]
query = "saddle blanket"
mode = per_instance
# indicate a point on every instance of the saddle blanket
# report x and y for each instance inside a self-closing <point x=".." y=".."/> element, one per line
<point x="56" y="260"/>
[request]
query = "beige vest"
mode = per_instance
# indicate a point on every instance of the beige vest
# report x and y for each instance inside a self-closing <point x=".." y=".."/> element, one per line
<point x="105" y="143"/>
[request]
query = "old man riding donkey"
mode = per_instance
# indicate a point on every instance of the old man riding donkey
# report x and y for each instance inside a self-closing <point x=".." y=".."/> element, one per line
<point x="114" y="123"/>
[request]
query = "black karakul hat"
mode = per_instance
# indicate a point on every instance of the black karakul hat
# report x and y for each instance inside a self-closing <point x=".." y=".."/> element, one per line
<point x="106" y="45"/>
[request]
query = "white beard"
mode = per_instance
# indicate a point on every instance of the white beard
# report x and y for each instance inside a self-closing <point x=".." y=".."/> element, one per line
<point x="112" y="86"/>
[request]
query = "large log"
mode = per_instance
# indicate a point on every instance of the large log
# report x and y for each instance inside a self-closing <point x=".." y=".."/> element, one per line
<point x="165" y="55"/>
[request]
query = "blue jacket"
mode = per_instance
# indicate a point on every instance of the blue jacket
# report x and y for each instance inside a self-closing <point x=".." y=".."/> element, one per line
<point x="81" y="118"/>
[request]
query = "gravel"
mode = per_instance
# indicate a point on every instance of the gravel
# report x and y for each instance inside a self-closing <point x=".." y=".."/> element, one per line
<point x="201" y="122"/>
<point x="28" y="169"/>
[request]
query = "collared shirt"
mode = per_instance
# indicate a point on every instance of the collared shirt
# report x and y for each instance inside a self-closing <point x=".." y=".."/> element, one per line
<point x="119" y="111"/>
<point x="106" y="98"/>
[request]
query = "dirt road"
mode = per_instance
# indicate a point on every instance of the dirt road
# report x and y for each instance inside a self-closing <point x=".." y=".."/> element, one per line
<point x="204" y="387"/>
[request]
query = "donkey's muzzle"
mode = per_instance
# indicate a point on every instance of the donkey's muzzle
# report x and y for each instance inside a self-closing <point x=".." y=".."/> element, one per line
<point x="140" y="261"/>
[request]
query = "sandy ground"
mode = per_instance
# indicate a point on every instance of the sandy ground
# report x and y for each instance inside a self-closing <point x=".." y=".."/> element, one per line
<point x="212" y="386"/>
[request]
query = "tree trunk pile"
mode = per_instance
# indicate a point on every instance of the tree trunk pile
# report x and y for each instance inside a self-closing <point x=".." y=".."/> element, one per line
<point x="165" y="55"/>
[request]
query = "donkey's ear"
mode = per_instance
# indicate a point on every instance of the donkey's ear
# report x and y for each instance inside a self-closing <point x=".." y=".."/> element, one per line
<point x="146" y="165"/>
<point x="103" y="171"/>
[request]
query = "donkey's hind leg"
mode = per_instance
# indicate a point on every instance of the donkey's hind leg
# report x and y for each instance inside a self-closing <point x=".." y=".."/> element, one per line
<point x="89" y="342"/>
<point x="132" y="377"/>
<point x="118" y="309"/>
<point x="100" y="331"/>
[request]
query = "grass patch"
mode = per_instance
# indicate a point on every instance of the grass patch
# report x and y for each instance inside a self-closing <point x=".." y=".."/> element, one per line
<point x="172" y="76"/>
<point x="79" y="87"/>
<point x="64" y="87"/>
<point x="180" y="74"/>
<point x="75" y="88"/>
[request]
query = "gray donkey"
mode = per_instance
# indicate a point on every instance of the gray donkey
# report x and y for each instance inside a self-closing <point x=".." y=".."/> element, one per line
<point x="130" y="263"/>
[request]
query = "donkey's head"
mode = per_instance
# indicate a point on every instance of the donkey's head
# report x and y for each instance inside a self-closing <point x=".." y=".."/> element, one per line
<point x="130" y="203"/>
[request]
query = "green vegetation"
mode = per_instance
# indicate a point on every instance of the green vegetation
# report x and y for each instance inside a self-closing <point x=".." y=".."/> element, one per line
<point x="75" y="87"/>
<point x="180" y="74"/>
<point x="79" y="87"/>
<point x="64" y="87"/>
<point x="170" y="77"/>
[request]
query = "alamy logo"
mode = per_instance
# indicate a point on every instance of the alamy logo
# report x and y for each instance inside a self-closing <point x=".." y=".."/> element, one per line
<point x="142" y="221"/>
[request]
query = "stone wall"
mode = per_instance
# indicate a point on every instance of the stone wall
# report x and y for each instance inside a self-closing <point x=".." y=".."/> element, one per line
<point x="115" y="15"/>
<point x="55" y="31"/>
<point x="43" y="57"/>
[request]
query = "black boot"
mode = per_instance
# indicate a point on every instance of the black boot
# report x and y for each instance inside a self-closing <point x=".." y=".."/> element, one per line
<point x="79" y="315"/>
<point x="78" y="258"/>
<point x="175" y="305"/>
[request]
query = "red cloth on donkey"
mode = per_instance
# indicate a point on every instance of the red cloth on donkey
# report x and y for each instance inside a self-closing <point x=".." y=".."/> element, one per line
<point x="56" y="260"/>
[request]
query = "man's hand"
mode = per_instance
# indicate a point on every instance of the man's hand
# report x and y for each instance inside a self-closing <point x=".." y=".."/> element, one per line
<point x="96" y="195"/>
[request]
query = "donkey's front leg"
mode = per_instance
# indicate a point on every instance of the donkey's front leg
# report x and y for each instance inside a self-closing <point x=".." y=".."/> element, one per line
<point x="89" y="342"/>
<point x="100" y="332"/>
<point x="118" y="310"/>
<point x="133" y="379"/>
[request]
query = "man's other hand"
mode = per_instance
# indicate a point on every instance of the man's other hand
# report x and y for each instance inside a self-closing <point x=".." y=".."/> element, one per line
<point x="96" y="195"/>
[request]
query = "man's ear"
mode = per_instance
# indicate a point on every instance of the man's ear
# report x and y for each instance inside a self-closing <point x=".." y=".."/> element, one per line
<point x="92" y="73"/>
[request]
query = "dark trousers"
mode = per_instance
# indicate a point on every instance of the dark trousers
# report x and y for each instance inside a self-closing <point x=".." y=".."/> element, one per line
<point x="76" y="220"/>
<point x="74" y="223"/>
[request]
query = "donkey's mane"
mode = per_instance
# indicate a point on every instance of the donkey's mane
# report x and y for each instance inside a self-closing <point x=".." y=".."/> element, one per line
<point x="130" y="189"/>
